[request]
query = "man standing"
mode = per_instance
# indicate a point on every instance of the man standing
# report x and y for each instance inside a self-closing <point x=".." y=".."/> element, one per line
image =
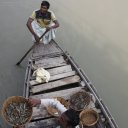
<point x="43" y="20"/>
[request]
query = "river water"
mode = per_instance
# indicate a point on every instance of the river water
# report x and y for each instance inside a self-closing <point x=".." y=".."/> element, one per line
<point x="93" y="32"/>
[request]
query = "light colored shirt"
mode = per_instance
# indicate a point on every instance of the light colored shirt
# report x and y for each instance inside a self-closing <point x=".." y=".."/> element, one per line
<point x="54" y="103"/>
<point x="43" y="22"/>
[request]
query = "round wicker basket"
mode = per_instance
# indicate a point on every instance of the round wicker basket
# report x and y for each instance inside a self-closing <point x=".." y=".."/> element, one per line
<point x="88" y="117"/>
<point x="79" y="100"/>
<point x="53" y="111"/>
<point x="17" y="111"/>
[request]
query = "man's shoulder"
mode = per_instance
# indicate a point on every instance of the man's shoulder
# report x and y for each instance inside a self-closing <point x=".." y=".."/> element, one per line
<point x="50" y="11"/>
<point x="36" y="10"/>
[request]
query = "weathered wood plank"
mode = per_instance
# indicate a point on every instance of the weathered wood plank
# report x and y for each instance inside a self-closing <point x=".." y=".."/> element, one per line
<point x="47" y="123"/>
<point x="47" y="49"/>
<point x="55" y="84"/>
<point x="52" y="65"/>
<point x="62" y="93"/>
<point x="60" y="70"/>
<point x="48" y="60"/>
<point x="40" y="113"/>
<point x="55" y="77"/>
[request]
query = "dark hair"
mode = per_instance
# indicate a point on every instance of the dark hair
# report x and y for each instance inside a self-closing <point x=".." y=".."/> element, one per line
<point x="73" y="117"/>
<point x="45" y="3"/>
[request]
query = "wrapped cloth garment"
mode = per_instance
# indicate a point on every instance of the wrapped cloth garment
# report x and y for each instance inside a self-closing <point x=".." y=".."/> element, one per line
<point x="39" y="31"/>
<point x="42" y="75"/>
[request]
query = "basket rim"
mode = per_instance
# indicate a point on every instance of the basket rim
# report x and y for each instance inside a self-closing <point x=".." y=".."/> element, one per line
<point x="54" y="108"/>
<point x="85" y="92"/>
<point x="89" y="110"/>
<point x="4" y="105"/>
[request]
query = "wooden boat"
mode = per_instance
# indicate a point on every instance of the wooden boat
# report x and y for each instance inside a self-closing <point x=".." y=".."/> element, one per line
<point x="66" y="78"/>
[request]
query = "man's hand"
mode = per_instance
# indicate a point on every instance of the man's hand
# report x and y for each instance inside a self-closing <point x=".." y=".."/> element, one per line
<point x="34" y="102"/>
<point x="37" y="38"/>
<point x="48" y="28"/>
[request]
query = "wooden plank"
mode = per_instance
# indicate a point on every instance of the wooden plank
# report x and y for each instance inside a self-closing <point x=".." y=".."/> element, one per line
<point x="60" y="70"/>
<point x="47" y="123"/>
<point x="52" y="65"/>
<point x="47" y="49"/>
<point x="55" y="77"/>
<point x="55" y="84"/>
<point x="41" y="112"/>
<point x="45" y="61"/>
<point x="62" y="93"/>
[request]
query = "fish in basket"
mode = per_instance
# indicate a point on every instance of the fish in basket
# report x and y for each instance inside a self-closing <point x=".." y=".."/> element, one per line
<point x="17" y="110"/>
<point x="79" y="100"/>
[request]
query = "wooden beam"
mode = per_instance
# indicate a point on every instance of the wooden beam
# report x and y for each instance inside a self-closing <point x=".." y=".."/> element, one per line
<point x="47" y="49"/>
<point x="51" y="62"/>
<point x="60" y="70"/>
<point x="55" y="77"/>
<point x="62" y="93"/>
<point x="57" y="70"/>
<point x="47" y="123"/>
<point x="55" y="84"/>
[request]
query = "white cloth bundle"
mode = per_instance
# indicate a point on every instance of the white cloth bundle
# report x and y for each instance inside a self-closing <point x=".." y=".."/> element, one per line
<point x="42" y="75"/>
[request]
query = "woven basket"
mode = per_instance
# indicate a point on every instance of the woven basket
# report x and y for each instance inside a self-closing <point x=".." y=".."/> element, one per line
<point x="88" y="117"/>
<point x="79" y="100"/>
<point x="53" y="111"/>
<point x="17" y="111"/>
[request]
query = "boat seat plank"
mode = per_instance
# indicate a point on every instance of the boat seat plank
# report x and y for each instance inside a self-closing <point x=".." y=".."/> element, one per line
<point x="47" y="123"/>
<point x="48" y="59"/>
<point x="51" y="62"/>
<point x="46" y="49"/>
<point x="48" y="55"/>
<point x="40" y="113"/>
<point x="53" y="65"/>
<point x="55" y="77"/>
<point x="62" y="93"/>
<point x="59" y="70"/>
<point x="55" y="84"/>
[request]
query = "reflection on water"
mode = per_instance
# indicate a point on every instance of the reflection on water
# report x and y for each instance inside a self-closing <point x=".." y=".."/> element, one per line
<point x="94" y="33"/>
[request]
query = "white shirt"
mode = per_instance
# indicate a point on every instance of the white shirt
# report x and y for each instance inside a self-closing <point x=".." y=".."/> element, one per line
<point x="54" y="103"/>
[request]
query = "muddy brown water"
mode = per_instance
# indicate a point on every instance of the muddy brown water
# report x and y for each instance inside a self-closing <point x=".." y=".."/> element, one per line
<point x="94" y="33"/>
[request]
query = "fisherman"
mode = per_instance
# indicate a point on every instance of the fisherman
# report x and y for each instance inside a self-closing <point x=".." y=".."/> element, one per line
<point x="42" y="20"/>
<point x="69" y="118"/>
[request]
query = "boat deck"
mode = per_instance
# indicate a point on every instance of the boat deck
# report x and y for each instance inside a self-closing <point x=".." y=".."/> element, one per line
<point x="66" y="78"/>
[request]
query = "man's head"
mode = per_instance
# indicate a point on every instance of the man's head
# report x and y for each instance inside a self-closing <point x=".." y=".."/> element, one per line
<point x="70" y="118"/>
<point x="45" y="6"/>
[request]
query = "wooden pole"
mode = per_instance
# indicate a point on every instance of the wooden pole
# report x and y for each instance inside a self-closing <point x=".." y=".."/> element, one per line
<point x="18" y="63"/>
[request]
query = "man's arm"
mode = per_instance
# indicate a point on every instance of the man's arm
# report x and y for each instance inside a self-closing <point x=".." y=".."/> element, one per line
<point x="56" y="25"/>
<point x="49" y="102"/>
<point x="35" y="102"/>
<point x="29" y="22"/>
